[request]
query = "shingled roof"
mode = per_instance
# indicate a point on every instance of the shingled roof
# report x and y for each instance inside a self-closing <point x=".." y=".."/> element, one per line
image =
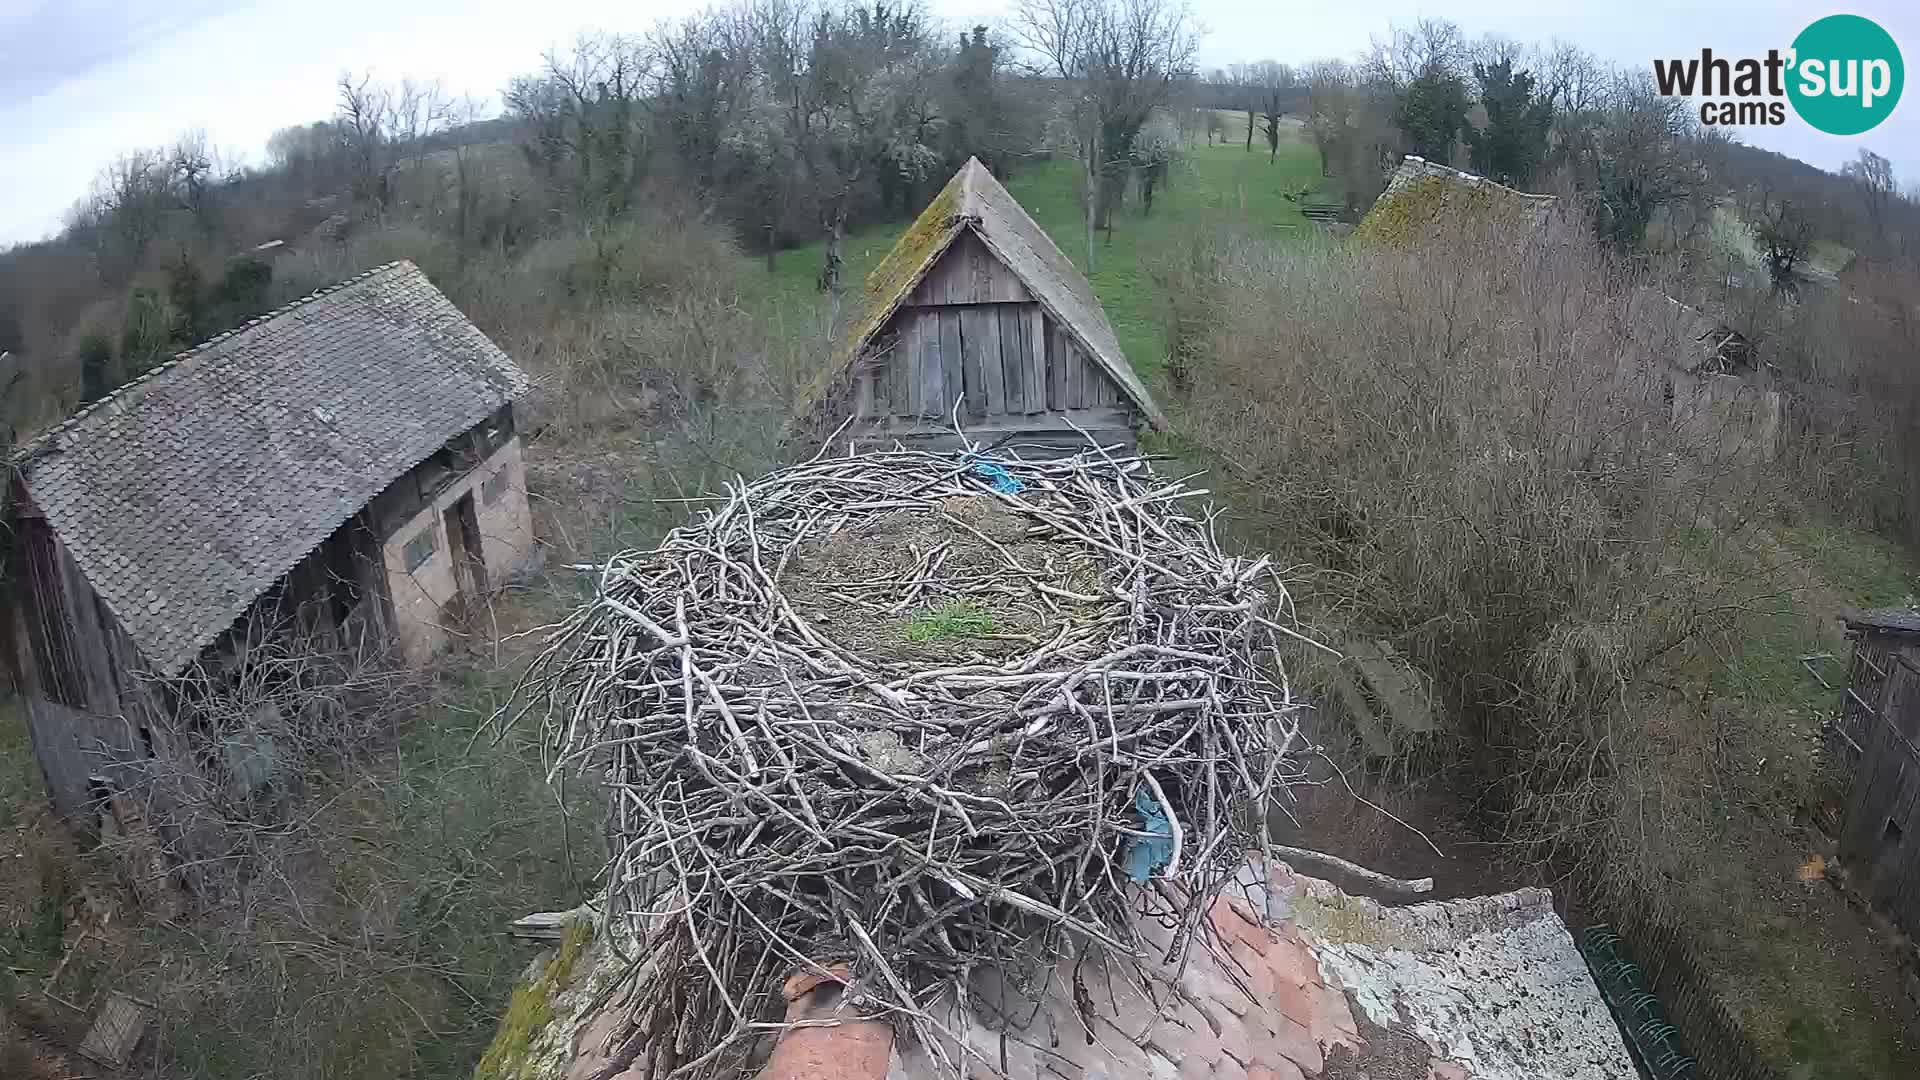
<point x="188" y="492"/>
<point x="974" y="200"/>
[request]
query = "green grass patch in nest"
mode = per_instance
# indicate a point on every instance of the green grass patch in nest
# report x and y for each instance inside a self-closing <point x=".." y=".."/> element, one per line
<point x="955" y="619"/>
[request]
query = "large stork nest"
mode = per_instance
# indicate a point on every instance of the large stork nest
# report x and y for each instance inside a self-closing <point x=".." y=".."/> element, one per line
<point x="916" y="714"/>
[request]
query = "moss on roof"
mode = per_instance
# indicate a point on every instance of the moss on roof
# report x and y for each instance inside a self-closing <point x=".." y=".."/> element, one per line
<point x="1423" y="195"/>
<point x="910" y="258"/>
<point x="530" y="1011"/>
<point x="888" y="283"/>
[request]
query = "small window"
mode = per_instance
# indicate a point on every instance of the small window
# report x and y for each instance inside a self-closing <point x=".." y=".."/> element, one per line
<point x="419" y="549"/>
<point x="495" y="486"/>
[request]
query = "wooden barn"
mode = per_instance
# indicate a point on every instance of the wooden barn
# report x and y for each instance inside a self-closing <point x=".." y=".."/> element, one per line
<point x="1878" y="734"/>
<point x="344" y="467"/>
<point x="975" y="316"/>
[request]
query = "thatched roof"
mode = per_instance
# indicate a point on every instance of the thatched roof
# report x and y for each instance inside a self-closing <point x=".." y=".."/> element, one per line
<point x="1420" y="191"/>
<point x="974" y="201"/>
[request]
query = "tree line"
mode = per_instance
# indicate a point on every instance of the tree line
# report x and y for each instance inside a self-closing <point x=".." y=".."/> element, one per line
<point x="791" y="121"/>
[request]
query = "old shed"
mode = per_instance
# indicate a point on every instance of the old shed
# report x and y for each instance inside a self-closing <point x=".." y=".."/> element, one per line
<point x="1878" y="734"/>
<point x="345" y="467"/>
<point x="976" y="315"/>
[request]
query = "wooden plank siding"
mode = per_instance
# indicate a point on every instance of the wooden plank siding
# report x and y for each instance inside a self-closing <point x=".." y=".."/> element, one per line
<point x="1880" y="835"/>
<point x="1004" y="359"/>
<point x="972" y="332"/>
<point x="968" y="274"/>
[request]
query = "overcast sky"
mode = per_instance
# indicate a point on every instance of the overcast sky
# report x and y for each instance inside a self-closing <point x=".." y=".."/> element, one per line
<point x="82" y="80"/>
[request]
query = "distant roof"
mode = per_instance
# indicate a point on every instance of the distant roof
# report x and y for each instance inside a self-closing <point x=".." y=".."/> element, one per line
<point x="189" y="491"/>
<point x="1292" y="978"/>
<point x="1898" y="619"/>
<point x="1718" y="347"/>
<point x="974" y="200"/>
<point x="1416" y="173"/>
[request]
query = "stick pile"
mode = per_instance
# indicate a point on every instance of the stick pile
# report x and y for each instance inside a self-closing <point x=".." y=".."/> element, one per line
<point x="785" y="798"/>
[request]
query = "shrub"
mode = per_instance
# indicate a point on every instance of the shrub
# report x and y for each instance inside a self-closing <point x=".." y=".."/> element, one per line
<point x="1465" y="437"/>
<point x="1846" y="356"/>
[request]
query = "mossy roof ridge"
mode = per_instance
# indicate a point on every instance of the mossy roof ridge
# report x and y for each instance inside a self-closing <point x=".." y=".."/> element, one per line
<point x="1421" y="191"/>
<point x="974" y="200"/>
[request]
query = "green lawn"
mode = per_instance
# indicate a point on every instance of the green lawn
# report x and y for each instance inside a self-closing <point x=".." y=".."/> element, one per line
<point x="1211" y="187"/>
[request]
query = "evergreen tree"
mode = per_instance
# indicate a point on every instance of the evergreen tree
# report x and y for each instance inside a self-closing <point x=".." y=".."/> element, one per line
<point x="1431" y="111"/>
<point x="96" y="367"/>
<point x="1514" y="142"/>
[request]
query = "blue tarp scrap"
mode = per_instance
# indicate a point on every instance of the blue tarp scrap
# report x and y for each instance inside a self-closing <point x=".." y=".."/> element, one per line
<point x="1153" y="851"/>
<point x="1003" y="481"/>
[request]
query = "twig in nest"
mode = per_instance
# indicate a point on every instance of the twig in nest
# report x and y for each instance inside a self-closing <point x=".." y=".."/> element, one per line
<point x="793" y="787"/>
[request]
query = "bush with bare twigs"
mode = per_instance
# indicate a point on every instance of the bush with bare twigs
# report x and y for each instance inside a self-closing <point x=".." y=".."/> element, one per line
<point x="1471" y="444"/>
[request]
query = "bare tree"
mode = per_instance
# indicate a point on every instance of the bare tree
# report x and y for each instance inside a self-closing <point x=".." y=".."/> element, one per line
<point x="363" y="110"/>
<point x="193" y="165"/>
<point x="1270" y="80"/>
<point x="1430" y="48"/>
<point x="1872" y="176"/>
<point x="127" y="209"/>
<point x="461" y="112"/>
<point x="1123" y="59"/>
<point x="1784" y="236"/>
<point x="584" y="123"/>
<point x="1240" y="78"/>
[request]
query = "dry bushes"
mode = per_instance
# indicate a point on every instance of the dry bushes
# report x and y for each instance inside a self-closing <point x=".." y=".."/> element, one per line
<point x="1472" y="445"/>
<point x="1848" y="354"/>
<point x="355" y="848"/>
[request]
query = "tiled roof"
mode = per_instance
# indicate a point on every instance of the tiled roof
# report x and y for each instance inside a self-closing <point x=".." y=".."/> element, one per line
<point x="186" y="493"/>
<point x="974" y="200"/>
<point x="1297" y="979"/>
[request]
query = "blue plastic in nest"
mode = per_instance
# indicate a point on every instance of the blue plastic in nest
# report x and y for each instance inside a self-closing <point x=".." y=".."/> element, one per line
<point x="1003" y="481"/>
<point x="1149" y="853"/>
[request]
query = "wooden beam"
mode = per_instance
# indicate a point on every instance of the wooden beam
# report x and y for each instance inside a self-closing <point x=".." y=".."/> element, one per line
<point x="1034" y="373"/>
<point x="940" y="371"/>
<point x="979" y="360"/>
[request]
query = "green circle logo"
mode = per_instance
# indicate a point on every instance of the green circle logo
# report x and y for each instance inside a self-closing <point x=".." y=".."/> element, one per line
<point x="1846" y="75"/>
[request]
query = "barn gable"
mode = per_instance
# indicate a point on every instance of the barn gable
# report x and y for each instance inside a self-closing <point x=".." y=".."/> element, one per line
<point x="975" y="313"/>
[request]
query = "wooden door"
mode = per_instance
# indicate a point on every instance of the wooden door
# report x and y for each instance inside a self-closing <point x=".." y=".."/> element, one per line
<point x="463" y="542"/>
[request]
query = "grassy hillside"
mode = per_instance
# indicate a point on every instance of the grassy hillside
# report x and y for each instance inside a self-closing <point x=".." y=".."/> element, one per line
<point x="1211" y="187"/>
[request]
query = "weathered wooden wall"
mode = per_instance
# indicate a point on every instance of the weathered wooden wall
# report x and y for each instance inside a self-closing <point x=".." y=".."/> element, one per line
<point x="971" y="334"/>
<point x="1880" y="836"/>
<point x="74" y="669"/>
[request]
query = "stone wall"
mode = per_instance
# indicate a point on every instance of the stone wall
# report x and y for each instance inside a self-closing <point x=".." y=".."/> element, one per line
<point x="422" y="594"/>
